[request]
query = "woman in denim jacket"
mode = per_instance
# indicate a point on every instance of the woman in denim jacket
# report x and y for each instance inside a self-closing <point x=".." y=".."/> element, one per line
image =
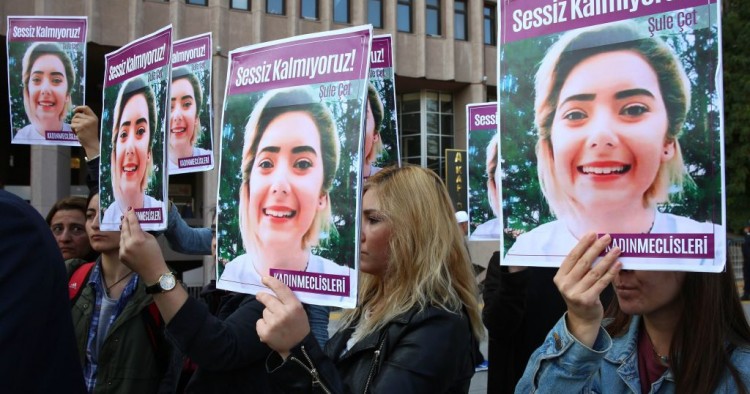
<point x="666" y="331"/>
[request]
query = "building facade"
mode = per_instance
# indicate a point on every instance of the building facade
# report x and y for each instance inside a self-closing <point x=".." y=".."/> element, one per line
<point x="445" y="57"/>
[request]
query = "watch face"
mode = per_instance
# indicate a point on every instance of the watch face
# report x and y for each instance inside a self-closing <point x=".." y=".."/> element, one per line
<point x="167" y="282"/>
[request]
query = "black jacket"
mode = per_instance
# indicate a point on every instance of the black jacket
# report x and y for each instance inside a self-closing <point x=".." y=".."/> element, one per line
<point x="421" y="351"/>
<point x="519" y="310"/>
<point x="226" y="348"/>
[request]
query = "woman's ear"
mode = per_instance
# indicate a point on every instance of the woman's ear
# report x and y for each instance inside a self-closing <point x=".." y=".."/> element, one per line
<point x="322" y="201"/>
<point x="668" y="153"/>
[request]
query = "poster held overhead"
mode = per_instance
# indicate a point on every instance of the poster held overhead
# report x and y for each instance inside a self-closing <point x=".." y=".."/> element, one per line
<point x="482" y="140"/>
<point x="381" y="147"/>
<point x="191" y="112"/>
<point x="614" y="116"/>
<point x="135" y="117"/>
<point x="46" y="77"/>
<point x="290" y="165"/>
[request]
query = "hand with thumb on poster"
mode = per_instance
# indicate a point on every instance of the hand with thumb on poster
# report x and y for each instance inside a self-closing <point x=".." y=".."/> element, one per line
<point x="580" y="285"/>
<point x="284" y="323"/>
<point x="85" y="125"/>
<point x="140" y="251"/>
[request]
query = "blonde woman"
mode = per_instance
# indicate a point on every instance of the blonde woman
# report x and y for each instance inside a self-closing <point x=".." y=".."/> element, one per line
<point x="417" y="324"/>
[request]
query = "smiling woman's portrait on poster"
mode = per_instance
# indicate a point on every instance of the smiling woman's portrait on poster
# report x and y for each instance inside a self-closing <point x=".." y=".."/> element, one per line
<point x="290" y="157"/>
<point x="613" y="119"/>
<point x="48" y="84"/>
<point x="133" y="132"/>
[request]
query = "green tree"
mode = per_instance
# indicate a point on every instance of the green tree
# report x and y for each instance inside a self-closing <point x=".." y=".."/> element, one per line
<point x="736" y="59"/>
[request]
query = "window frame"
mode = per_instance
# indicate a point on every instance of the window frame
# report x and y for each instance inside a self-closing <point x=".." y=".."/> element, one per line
<point x="464" y="14"/>
<point x="317" y="10"/>
<point x="283" y="8"/>
<point x="380" y="13"/>
<point x="437" y="10"/>
<point x="348" y="12"/>
<point x="249" y="6"/>
<point x="410" y="6"/>
<point x="492" y="18"/>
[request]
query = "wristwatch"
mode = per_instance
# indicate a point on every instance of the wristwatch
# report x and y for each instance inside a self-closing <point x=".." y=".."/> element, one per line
<point x="166" y="283"/>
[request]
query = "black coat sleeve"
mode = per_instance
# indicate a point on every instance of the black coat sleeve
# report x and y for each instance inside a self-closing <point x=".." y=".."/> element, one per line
<point x="216" y="344"/>
<point x="504" y="299"/>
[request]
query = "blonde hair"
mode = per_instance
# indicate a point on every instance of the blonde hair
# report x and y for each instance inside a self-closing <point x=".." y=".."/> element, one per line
<point x="428" y="264"/>
<point x="573" y="48"/>
<point x="274" y="104"/>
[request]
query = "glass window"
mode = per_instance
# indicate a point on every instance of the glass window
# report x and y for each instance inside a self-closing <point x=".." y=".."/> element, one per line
<point x="459" y="20"/>
<point x="375" y="13"/>
<point x="276" y="7"/>
<point x="403" y="15"/>
<point x="240" y="5"/>
<point x="432" y="16"/>
<point x="197" y="2"/>
<point x="489" y="25"/>
<point x="411" y="145"/>
<point x="341" y="11"/>
<point x="309" y="9"/>
<point x="426" y="128"/>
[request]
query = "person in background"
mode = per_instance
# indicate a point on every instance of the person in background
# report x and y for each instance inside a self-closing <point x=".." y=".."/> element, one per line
<point x="67" y="220"/>
<point x="121" y="348"/>
<point x="462" y="218"/>
<point x="664" y="332"/>
<point x="37" y="345"/>
<point x="417" y="325"/>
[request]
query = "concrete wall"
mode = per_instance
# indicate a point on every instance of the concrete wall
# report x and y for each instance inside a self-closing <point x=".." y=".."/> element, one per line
<point x="431" y="60"/>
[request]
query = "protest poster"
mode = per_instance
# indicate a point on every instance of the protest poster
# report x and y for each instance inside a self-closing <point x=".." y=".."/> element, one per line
<point x="611" y="122"/>
<point x="135" y="112"/>
<point x="381" y="127"/>
<point x="191" y="113"/>
<point x="46" y="77"/>
<point x="481" y="140"/>
<point x="290" y="165"/>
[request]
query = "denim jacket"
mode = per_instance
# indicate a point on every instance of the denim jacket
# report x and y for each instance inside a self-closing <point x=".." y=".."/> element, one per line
<point x="564" y="365"/>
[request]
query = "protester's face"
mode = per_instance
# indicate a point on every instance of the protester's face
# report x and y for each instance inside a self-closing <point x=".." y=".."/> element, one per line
<point x="645" y="292"/>
<point x="184" y="109"/>
<point x="69" y="228"/>
<point x="464" y="227"/>
<point x="132" y="153"/>
<point x="374" y="251"/>
<point x="609" y="130"/>
<point x="48" y="88"/>
<point x="371" y="135"/>
<point x="286" y="180"/>
<point x="101" y="241"/>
